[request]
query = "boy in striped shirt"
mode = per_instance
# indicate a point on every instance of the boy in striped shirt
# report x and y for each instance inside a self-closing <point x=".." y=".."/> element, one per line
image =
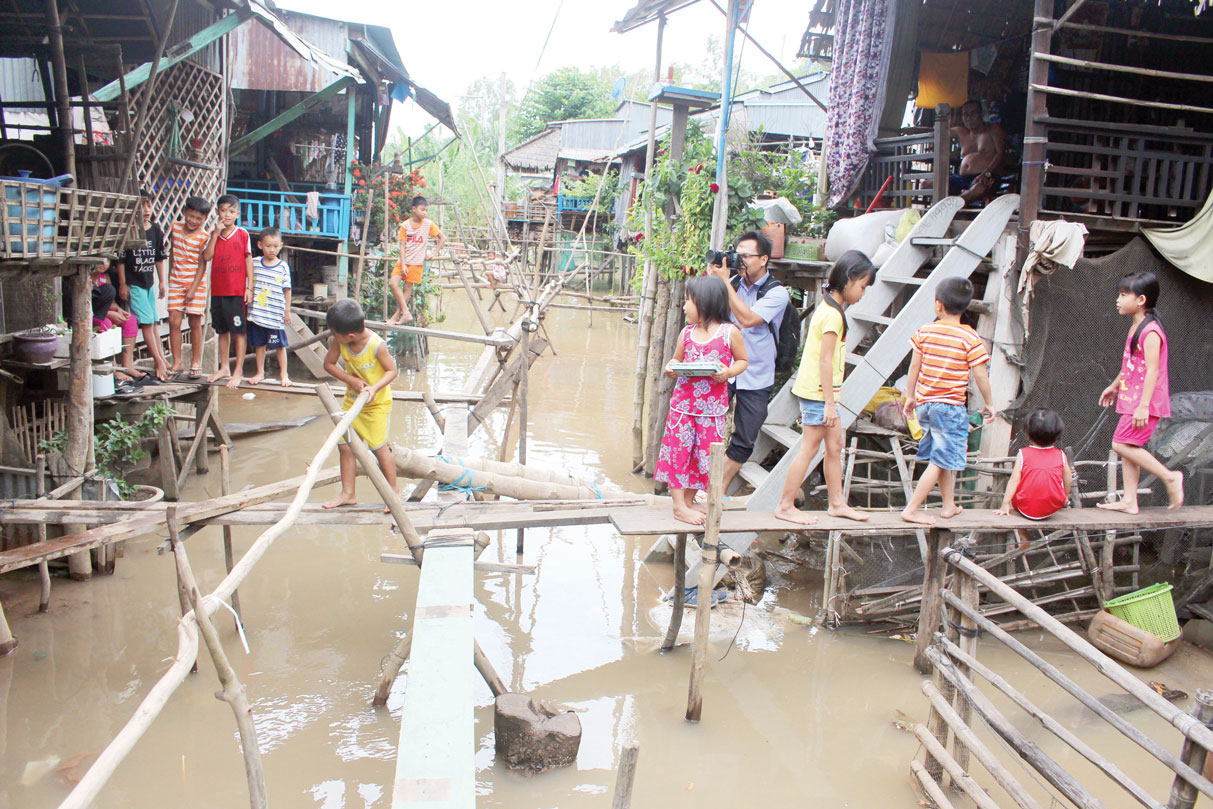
<point x="946" y="352"/>
<point x="187" y="283"/>
<point x="271" y="306"/>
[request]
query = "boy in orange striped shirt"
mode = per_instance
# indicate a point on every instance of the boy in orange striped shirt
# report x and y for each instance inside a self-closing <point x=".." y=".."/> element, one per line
<point x="946" y="352"/>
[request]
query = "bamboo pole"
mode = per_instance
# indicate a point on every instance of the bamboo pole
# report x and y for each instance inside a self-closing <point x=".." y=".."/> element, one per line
<point x="1073" y="689"/>
<point x="1134" y="102"/>
<point x="79" y="452"/>
<point x="932" y="605"/>
<point x="622" y="798"/>
<point x="959" y="776"/>
<point x="1137" y="71"/>
<point x="145" y="106"/>
<point x="232" y="692"/>
<point x="85" y="792"/>
<point x="653" y="369"/>
<point x="680" y="596"/>
<point x="929" y="786"/>
<point x="1027" y="749"/>
<point x="44" y="571"/>
<point x="1052" y="725"/>
<point x="707" y="577"/>
<point x="523" y="387"/>
<point x="391" y="668"/>
<point x="366" y="223"/>
<point x="225" y="488"/>
<point x="665" y="385"/>
<point x="966" y="738"/>
<point x="1184" y="794"/>
<point x="464" y="472"/>
<point x="63" y="99"/>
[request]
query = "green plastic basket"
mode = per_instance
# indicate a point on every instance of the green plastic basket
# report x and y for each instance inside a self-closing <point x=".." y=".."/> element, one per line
<point x="1149" y="608"/>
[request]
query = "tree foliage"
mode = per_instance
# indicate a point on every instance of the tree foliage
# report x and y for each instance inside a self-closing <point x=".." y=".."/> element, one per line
<point x="564" y="94"/>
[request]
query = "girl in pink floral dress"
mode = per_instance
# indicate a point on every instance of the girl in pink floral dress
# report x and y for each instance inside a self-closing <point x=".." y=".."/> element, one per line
<point x="699" y="404"/>
<point x="1141" y="392"/>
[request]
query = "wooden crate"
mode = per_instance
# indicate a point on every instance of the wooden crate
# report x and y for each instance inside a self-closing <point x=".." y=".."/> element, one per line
<point x="44" y="222"/>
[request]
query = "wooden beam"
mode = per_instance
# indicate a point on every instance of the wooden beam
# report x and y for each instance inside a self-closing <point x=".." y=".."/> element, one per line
<point x="283" y="118"/>
<point x="1134" y="102"/>
<point x="379" y="325"/>
<point x="1139" y="71"/>
<point x="175" y="54"/>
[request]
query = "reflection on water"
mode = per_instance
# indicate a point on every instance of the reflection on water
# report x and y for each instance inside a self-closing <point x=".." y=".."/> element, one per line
<point x="789" y="714"/>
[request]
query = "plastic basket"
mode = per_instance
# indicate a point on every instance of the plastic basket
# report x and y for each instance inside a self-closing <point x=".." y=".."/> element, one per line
<point x="1149" y="608"/>
<point x="39" y="221"/>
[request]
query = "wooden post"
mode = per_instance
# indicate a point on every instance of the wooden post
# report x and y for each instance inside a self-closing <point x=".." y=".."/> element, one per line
<point x="1036" y="134"/>
<point x="391" y="668"/>
<point x="63" y="99"/>
<point x="366" y="224"/>
<point x="225" y="488"/>
<point x="168" y="463"/>
<point x="963" y="632"/>
<point x="941" y="168"/>
<point x="707" y="576"/>
<point x="232" y="691"/>
<point x="7" y="642"/>
<point x="1183" y="794"/>
<point x="653" y="369"/>
<point x="522" y="391"/>
<point x="932" y="602"/>
<point x="627" y="775"/>
<point x="79" y="452"/>
<point x="143" y="112"/>
<point x="680" y="592"/>
<point x="44" y="573"/>
<point x="208" y="402"/>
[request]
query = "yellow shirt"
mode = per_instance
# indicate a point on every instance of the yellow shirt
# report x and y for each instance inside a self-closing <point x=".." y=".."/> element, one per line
<point x="826" y="319"/>
<point x="366" y="366"/>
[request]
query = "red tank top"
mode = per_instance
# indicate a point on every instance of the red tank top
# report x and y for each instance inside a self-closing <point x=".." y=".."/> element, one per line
<point x="1042" y="484"/>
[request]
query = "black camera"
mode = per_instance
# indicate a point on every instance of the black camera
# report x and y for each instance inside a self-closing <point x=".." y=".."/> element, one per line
<point x="728" y="258"/>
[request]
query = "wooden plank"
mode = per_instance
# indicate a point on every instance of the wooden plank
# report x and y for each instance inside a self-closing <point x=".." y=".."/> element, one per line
<point x="651" y="521"/>
<point x="495" y="339"/>
<point x="313" y="358"/>
<point x="309" y="389"/>
<point x="504" y="383"/>
<point x="435" y="762"/>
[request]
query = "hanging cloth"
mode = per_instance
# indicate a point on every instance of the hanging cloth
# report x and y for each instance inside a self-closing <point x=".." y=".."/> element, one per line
<point x="312" y="209"/>
<point x="1189" y="246"/>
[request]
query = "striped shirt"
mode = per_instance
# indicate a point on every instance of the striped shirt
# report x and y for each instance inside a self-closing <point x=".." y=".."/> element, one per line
<point x="271" y="285"/>
<point x="184" y="250"/>
<point x="949" y="352"/>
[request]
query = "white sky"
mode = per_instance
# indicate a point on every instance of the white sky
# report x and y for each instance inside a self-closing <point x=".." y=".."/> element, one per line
<point x="449" y="44"/>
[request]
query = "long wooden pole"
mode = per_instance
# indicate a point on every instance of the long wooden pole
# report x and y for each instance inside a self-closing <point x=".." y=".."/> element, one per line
<point x="232" y="692"/>
<point x="622" y="799"/>
<point x="44" y="572"/>
<point x="523" y="387"/>
<point x="225" y="488"/>
<point x="680" y="595"/>
<point x="63" y="100"/>
<point x="958" y="774"/>
<point x="366" y="224"/>
<point x="1184" y="794"/>
<point x="85" y="792"/>
<point x="143" y="110"/>
<point x="931" y="612"/>
<point x="707" y="577"/>
<point x="79" y="452"/>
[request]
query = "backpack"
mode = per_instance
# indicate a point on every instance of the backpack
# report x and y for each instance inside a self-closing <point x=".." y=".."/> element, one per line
<point x="787" y="338"/>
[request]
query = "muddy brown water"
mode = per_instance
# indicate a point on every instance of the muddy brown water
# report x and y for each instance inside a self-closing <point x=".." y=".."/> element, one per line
<point x="790" y="713"/>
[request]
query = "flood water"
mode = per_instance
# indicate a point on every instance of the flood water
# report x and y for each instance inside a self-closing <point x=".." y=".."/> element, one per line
<point x="790" y="713"/>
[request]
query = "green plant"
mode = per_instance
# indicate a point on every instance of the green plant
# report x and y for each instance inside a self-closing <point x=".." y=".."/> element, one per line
<point x="117" y="443"/>
<point x="790" y="174"/>
<point x="587" y="187"/>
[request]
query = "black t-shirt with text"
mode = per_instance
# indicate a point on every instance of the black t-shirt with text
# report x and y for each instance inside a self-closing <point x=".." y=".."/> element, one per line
<point x="140" y="263"/>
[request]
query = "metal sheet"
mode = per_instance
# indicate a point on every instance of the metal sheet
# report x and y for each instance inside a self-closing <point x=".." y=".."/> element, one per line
<point x="258" y="59"/>
<point x="19" y="80"/>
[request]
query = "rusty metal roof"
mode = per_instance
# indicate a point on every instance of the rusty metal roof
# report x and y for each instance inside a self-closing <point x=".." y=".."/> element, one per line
<point x="647" y="11"/>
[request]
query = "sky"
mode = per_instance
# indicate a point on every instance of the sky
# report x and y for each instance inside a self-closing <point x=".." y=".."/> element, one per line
<point x="449" y="44"/>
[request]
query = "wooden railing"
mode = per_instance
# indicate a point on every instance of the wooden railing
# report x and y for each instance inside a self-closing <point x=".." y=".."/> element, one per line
<point x="1124" y="171"/>
<point x="907" y="162"/>
<point x="955" y="696"/>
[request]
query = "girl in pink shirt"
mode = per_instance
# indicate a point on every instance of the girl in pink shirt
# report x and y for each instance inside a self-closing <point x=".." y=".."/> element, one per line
<point x="1141" y="392"/>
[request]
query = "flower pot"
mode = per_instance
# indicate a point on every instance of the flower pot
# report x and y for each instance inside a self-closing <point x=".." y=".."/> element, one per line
<point x="36" y="346"/>
<point x="146" y="494"/>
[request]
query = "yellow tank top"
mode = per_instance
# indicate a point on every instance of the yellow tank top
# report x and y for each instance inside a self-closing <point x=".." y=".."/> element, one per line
<point x="366" y="366"/>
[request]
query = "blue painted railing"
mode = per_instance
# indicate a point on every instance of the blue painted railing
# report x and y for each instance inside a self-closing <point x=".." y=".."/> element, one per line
<point x="287" y="210"/>
<point x="564" y="203"/>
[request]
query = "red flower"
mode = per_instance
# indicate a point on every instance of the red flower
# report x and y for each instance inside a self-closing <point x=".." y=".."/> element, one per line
<point x="699" y="168"/>
<point x="357" y="173"/>
<point x="639" y="237"/>
<point x="362" y="182"/>
<point x="714" y="187"/>
<point x="421" y="183"/>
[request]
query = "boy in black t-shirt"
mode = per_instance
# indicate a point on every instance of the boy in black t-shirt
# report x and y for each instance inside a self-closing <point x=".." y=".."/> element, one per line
<point x="138" y="271"/>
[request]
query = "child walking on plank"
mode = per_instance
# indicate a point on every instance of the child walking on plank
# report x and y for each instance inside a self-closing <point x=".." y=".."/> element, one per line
<point x="1141" y="392"/>
<point x="818" y="383"/>
<point x="946" y="352"/>
<point x="368" y="366"/>
<point x="699" y="405"/>
<point x="1040" y="482"/>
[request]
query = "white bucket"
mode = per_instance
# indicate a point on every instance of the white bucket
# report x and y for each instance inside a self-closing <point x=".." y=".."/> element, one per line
<point x="103" y="385"/>
<point x="320" y="290"/>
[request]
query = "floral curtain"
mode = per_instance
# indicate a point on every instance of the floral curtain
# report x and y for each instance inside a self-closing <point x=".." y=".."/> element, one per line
<point x="863" y="40"/>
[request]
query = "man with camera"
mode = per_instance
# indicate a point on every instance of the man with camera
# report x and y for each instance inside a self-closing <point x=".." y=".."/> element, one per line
<point x="757" y="303"/>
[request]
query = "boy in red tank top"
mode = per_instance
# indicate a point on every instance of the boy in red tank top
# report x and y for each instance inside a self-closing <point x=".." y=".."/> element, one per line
<point x="231" y="286"/>
<point x="1040" y="483"/>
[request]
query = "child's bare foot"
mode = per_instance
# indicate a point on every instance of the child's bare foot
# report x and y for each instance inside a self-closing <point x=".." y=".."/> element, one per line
<point x="161" y="373"/>
<point x="847" y="512"/>
<point x="256" y="378"/>
<point x="343" y="499"/>
<point x="284" y="381"/>
<point x="222" y="373"/>
<point x="1175" y="490"/>
<point x="947" y="512"/>
<point x="917" y="516"/>
<point x="407" y="317"/>
<point x="793" y="514"/>
<point x="1119" y="505"/>
<point x="235" y="381"/>
<point x="689" y="515"/>
<point x="700" y="507"/>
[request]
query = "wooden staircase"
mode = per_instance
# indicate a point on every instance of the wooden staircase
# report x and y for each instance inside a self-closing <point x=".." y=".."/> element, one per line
<point x="876" y="312"/>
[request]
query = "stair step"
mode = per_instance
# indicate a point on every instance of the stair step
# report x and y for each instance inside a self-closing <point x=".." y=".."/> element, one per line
<point x="871" y="318"/>
<point x="784" y="435"/>
<point x="906" y="281"/>
<point x="753" y="474"/>
<point x="853" y="358"/>
<point x="932" y="241"/>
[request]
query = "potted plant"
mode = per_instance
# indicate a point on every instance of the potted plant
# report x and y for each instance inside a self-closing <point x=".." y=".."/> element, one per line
<point x="36" y="346"/>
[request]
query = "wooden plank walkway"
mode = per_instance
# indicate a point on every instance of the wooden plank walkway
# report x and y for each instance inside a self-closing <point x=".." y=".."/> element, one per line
<point x="436" y="757"/>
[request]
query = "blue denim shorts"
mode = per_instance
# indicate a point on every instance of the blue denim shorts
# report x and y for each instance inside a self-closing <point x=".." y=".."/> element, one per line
<point x="812" y="412"/>
<point x="945" y="434"/>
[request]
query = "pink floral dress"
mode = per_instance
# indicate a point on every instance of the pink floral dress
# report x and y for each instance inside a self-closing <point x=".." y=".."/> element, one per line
<point x="699" y="409"/>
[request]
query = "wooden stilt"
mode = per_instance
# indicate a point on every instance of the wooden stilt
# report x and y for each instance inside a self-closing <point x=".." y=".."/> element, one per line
<point x="1184" y="794"/>
<point x="7" y="642"/>
<point x="707" y="576"/>
<point x="44" y="572"/>
<point x="207" y="402"/>
<point x="680" y="593"/>
<point x="225" y="488"/>
<point x="959" y="777"/>
<point x="168" y="463"/>
<point x="391" y="669"/>
<point x="932" y="602"/>
<point x="522" y="388"/>
<point x="79" y="452"/>
<point x="622" y="798"/>
<point x="232" y="691"/>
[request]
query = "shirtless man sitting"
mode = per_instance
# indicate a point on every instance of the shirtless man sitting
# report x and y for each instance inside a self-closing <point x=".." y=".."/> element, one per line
<point x="983" y="149"/>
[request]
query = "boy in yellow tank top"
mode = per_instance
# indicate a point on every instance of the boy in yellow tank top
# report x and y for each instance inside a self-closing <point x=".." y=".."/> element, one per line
<point x="368" y="365"/>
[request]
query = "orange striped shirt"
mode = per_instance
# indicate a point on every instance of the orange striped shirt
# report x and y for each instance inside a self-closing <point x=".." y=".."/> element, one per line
<point x="949" y="352"/>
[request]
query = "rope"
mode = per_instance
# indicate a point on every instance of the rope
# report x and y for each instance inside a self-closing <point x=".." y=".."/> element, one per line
<point x="463" y="483"/>
<point x="239" y="624"/>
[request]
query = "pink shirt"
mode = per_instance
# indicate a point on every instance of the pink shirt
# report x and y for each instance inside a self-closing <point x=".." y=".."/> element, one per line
<point x="1133" y="375"/>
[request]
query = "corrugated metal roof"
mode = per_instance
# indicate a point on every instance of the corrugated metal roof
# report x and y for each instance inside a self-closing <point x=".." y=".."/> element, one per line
<point x="646" y="11"/>
<point x="19" y="80"/>
<point x="258" y="59"/>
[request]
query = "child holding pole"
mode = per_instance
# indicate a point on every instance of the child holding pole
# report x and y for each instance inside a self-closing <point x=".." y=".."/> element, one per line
<point x="818" y="383"/>
<point x="699" y="405"/>
<point x="368" y="365"/>
<point x="946" y="353"/>
<point x="1141" y="392"/>
<point x="1040" y="482"/>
